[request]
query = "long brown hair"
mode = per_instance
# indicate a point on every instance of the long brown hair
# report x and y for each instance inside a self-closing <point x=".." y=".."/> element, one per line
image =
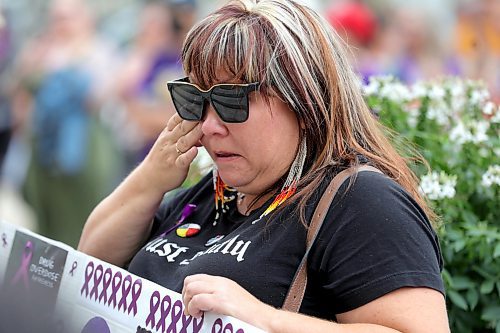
<point x="296" y="55"/>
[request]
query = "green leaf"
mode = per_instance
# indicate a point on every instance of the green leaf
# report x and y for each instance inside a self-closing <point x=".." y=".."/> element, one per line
<point x="497" y="330"/>
<point x="459" y="245"/>
<point x="472" y="297"/>
<point x="447" y="277"/>
<point x="461" y="283"/>
<point x="457" y="299"/>
<point x="496" y="252"/>
<point x="487" y="287"/>
<point x="469" y="217"/>
<point x="491" y="313"/>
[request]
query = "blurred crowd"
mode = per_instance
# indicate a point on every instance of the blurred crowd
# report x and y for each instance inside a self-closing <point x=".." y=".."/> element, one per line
<point x="78" y="111"/>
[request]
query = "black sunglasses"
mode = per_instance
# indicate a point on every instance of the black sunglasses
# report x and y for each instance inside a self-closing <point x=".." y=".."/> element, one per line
<point x="230" y="100"/>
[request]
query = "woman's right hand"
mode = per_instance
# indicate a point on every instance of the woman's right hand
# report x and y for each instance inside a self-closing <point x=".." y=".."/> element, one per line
<point x="167" y="164"/>
<point x="123" y="220"/>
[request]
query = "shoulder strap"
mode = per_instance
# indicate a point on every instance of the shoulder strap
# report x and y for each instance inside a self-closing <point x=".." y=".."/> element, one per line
<point x="297" y="289"/>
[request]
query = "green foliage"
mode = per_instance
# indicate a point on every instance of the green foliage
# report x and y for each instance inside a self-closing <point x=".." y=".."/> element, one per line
<point x="452" y="123"/>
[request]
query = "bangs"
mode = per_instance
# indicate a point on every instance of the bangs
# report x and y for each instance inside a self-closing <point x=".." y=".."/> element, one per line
<point x="227" y="43"/>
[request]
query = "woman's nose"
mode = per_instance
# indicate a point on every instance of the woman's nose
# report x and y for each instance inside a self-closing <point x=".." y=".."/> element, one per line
<point x="211" y="123"/>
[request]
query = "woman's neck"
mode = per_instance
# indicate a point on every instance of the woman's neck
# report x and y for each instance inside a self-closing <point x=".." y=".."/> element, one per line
<point x="246" y="203"/>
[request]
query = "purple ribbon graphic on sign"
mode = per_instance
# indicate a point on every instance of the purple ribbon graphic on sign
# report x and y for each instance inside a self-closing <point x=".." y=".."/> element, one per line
<point x="185" y="320"/>
<point x="4" y="239"/>
<point x="106" y="281"/>
<point x="94" y="293"/>
<point x="154" y="303"/>
<point x="22" y="272"/>
<point x="73" y="267"/>
<point x="166" y="304"/>
<point x="126" y="286"/>
<point x="115" y="286"/>
<point x="218" y="324"/>
<point x="136" y="292"/>
<point x="188" y="210"/>
<point x="89" y="270"/>
<point x="175" y="315"/>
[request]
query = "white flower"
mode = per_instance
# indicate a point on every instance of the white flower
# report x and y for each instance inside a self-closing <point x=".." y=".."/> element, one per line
<point x="491" y="176"/>
<point x="457" y="104"/>
<point x="474" y="131"/>
<point x="457" y="89"/>
<point x="496" y="118"/>
<point x="413" y="112"/>
<point x="395" y="91"/>
<point x="419" y="90"/>
<point x="488" y="108"/>
<point x="437" y="186"/>
<point x="460" y="134"/>
<point x="372" y="87"/>
<point x="479" y="96"/>
<point x="437" y="92"/>
<point x="439" y="112"/>
<point x="479" y="129"/>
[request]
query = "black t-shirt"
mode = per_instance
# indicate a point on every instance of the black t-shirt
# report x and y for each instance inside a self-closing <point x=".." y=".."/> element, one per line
<point x="375" y="239"/>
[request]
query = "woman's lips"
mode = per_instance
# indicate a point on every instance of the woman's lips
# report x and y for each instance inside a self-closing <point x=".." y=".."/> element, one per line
<point x="225" y="156"/>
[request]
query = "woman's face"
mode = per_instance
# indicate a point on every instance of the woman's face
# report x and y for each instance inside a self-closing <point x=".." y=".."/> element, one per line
<point x="253" y="155"/>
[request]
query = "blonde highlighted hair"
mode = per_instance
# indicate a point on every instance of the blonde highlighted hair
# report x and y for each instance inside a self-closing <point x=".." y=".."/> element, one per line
<point x="295" y="55"/>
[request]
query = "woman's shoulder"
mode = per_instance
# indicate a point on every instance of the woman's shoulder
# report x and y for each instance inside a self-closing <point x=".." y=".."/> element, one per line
<point x="370" y="185"/>
<point x="372" y="199"/>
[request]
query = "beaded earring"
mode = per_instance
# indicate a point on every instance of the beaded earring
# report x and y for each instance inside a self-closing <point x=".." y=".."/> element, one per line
<point x="290" y="185"/>
<point x="223" y="195"/>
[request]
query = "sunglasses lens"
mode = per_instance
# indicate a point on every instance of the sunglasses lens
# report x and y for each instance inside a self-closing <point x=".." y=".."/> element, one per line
<point x="231" y="103"/>
<point x="187" y="101"/>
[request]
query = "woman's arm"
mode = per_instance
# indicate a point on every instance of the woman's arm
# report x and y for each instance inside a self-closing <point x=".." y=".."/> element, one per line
<point x="409" y="310"/>
<point x="121" y="223"/>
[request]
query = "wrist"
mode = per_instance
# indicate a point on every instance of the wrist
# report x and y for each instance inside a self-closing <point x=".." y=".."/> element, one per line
<point x="271" y="319"/>
<point x="145" y="181"/>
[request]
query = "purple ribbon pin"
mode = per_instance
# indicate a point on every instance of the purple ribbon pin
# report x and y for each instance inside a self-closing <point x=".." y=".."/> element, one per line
<point x="22" y="272"/>
<point x="73" y="267"/>
<point x="186" y="212"/>
<point x="4" y="239"/>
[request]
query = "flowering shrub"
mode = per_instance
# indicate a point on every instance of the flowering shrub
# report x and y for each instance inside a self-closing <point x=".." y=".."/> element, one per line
<point x="456" y="128"/>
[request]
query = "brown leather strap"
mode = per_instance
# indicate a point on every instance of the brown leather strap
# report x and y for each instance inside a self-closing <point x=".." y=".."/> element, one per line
<point x="297" y="289"/>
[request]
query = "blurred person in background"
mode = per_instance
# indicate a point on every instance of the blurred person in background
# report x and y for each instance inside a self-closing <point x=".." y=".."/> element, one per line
<point x="5" y="117"/>
<point x="64" y="75"/>
<point x="184" y="16"/>
<point x="390" y="39"/>
<point x="152" y="60"/>
<point x="358" y="26"/>
<point x="13" y="209"/>
<point x="477" y="39"/>
<point x="419" y="55"/>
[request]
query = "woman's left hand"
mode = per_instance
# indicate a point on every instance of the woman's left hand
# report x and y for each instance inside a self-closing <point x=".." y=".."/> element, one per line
<point x="217" y="294"/>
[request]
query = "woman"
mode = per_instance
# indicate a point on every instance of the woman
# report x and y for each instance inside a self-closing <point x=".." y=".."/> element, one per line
<point x="270" y="95"/>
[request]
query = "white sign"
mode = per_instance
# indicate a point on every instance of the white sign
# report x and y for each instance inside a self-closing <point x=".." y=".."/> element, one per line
<point x="52" y="283"/>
